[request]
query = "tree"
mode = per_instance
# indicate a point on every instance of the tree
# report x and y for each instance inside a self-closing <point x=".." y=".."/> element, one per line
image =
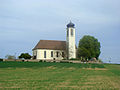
<point x="88" y="47"/>
<point x="25" y="56"/>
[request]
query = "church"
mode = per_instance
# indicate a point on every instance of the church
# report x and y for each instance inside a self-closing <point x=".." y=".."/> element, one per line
<point x="57" y="50"/>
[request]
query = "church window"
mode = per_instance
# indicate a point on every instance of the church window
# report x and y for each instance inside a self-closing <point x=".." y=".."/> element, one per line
<point x="44" y="54"/>
<point x="57" y="54"/>
<point x="71" y="32"/>
<point x="51" y="53"/>
<point x="63" y="54"/>
<point x="67" y="33"/>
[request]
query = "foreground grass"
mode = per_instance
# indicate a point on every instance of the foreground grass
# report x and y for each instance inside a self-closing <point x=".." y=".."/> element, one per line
<point x="34" y="75"/>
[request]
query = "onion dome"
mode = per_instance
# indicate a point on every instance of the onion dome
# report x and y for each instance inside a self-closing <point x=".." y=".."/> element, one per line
<point x="70" y="25"/>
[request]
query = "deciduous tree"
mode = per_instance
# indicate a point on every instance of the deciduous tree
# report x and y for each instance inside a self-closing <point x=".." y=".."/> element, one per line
<point x="88" y="47"/>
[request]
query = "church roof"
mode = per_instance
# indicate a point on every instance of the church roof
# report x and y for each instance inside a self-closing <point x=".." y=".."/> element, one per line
<point x="70" y="24"/>
<point x="51" y="44"/>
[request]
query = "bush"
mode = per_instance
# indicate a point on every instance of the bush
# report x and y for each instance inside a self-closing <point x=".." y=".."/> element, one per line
<point x="23" y="60"/>
<point x="74" y="59"/>
<point x="25" y="56"/>
<point x="64" y="61"/>
<point x="54" y="61"/>
<point x="1" y="59"/>
<point x="40" y="61"/>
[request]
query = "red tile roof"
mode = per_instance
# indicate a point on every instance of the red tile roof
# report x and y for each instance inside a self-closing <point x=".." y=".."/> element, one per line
<point x="51" y="44"/>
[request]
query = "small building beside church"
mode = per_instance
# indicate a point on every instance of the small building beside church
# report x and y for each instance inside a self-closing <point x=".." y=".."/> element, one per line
<point x="57" y="50"/>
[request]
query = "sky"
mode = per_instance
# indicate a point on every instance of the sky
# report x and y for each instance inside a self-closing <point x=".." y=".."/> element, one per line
<point x="24" y="22"/>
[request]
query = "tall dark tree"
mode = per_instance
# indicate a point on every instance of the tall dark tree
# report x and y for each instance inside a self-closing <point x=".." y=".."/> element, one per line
<point x="25" y="56"/>
<point x="88" y="47"/>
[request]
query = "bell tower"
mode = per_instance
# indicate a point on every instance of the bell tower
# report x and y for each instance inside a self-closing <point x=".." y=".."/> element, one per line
<point x="70" y="41"/>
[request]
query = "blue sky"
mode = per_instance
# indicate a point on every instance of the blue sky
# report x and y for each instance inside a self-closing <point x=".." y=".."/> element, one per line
<point x="24" y="22"/>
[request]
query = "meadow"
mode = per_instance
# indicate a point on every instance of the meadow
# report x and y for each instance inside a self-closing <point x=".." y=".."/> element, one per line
<point x="60" y="76"/>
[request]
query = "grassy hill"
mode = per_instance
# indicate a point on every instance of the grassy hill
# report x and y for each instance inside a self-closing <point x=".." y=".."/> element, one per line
<point x="34" y="75"/>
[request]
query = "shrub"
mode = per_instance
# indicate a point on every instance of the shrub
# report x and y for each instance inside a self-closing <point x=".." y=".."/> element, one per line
<point x="22" y="60"/>
<point x="25" y="56"/>
<point x="64" y="61"/>
<point x="1" y="59"/>
<point x="40" y="61"/>
<point x="54" y="61"/>
<point x="74" y="59"/>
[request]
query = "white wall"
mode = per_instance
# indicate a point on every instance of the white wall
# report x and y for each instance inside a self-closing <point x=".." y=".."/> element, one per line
<point x="71" y="44"/>
<point x="39" y="53"/>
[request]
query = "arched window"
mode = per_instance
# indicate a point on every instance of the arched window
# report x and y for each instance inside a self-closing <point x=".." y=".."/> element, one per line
<point x="57" y="54"/>
<point x="71" y="32"/>
<point x="63" y="54"/>
<point x="44" y="54"/>
<point x="67" y="32"/>
<point x="51" y="53"/>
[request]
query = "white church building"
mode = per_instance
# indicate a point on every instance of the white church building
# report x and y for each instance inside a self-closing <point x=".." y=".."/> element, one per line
<point x="57" y="50"/>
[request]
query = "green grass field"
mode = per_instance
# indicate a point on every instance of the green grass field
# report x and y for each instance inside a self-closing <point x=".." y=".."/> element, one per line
<point x="60" y="76"/>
